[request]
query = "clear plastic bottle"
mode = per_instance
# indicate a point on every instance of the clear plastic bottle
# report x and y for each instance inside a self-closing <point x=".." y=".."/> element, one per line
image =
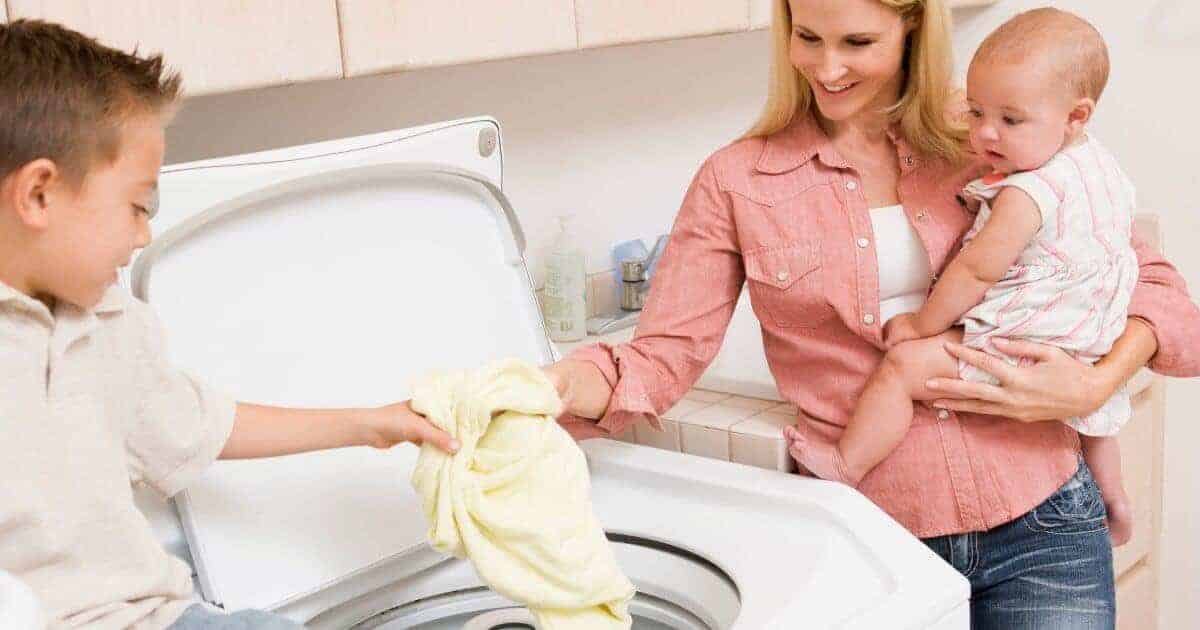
<point x="565" y="301"/>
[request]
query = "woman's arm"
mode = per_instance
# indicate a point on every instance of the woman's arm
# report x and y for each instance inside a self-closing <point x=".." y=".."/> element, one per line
<point x="1163" y="331"/>
<point x="1054" y="387"/>
<point x="692" y="298"/>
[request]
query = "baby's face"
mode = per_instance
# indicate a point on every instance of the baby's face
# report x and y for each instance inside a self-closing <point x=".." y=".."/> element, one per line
<point x="1018" y="114"/>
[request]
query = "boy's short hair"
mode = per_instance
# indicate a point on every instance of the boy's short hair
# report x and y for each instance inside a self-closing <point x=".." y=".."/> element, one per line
<point x="1079" y="58"/>
<point x="64" y="97"/>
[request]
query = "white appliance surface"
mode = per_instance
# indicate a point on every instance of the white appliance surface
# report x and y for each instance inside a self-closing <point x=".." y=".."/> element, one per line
<point x="332" y="275"/>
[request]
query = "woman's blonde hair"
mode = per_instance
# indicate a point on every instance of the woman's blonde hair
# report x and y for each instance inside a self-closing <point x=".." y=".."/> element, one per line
<point x="925" y="106"/>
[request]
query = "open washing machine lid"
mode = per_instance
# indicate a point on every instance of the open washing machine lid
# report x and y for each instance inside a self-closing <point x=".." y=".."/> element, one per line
<point x="334" y="274"/>
<point x="331" y="275"/>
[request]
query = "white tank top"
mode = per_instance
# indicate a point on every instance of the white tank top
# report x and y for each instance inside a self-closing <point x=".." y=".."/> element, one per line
<point x="903" y="263"/>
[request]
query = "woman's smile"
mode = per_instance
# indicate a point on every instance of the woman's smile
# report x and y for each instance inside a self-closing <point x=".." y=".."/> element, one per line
<point x="836" y="90"/>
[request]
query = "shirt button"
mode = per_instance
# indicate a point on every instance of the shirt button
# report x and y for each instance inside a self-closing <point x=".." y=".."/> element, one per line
<point x="942" y="414"/>
<point x="868" y="319"/>
<point x="862" y="242"/>
<point x="851" y="185"/>
<point x="781" y="276"/>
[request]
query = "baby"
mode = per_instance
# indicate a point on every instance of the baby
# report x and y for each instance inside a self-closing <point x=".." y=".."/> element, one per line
<point x="89" y="404"/>
<point x="1048" y="260"/>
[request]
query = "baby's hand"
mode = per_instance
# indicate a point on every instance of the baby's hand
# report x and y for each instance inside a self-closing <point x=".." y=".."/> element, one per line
<point x="899" y="329"/>
<point x="398" y="423"/>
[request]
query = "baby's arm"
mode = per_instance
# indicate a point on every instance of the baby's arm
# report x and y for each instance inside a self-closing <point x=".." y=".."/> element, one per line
<point x="261" y="431"/>
<point x="1015" y="220"/>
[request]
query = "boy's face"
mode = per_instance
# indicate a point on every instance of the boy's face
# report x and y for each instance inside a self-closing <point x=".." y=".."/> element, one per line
<point x="95" y="230"/>
<point x="1018" y="114"/>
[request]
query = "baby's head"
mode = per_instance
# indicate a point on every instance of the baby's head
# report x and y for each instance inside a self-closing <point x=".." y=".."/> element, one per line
<point x="81" y="144"/>
<point x="1032" y="87"/>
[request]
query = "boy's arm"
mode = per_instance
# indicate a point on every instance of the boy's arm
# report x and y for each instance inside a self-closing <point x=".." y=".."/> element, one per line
<point x="261" y="431"/>
<point x="983" y="262"/>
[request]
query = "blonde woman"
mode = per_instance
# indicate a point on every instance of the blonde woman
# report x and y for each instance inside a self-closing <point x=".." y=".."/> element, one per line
<point x="839" y="208"/>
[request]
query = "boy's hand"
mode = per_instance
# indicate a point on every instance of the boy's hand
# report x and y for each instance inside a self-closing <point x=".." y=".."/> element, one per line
<point x="899" y="329"/>
<point x="396" y="423"/>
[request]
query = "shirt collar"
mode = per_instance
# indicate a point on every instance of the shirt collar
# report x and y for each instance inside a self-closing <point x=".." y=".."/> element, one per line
<point x="113" y="300"/>
<point x="803" y="139"/>
<point x="25" y="302"/>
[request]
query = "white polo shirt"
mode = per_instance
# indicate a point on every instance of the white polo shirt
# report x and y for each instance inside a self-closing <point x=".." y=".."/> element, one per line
<point x="88" y="407"/>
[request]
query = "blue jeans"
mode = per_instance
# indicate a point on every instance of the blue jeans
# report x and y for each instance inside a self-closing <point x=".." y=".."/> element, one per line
<point x="202" y="617"/>
<point x="1049" y="569"/>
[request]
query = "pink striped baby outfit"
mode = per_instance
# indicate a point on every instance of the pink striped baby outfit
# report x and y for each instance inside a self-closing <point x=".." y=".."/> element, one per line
<point x="1072" y="284"/>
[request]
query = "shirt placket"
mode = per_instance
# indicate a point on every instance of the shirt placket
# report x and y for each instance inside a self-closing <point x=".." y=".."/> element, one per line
<point x="65" y="333"/>
<point x="963" y="483"/>
<point x="866" y="264"/>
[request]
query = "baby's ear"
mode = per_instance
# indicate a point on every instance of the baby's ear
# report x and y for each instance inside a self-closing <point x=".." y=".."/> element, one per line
<point x="1080" y="114"/>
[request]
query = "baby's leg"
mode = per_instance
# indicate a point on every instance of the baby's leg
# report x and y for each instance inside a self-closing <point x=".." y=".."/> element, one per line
<point x="1103" y="456"/>
<point x="884" y="411"/>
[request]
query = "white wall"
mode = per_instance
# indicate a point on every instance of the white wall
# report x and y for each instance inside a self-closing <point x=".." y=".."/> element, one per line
<point x="615" y="135"/>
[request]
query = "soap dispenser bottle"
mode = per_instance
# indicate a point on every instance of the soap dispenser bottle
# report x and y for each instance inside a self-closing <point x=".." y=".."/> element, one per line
<point x="565" y="302"/>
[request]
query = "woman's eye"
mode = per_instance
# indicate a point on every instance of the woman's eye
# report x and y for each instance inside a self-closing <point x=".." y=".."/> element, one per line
<point x="859" y="42"/>
<point x="975" y="113"/>
<point x="808" y="38"/>
<point x="1009" y="120"/>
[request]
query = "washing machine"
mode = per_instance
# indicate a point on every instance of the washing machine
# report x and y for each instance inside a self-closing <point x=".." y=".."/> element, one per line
<point x="333" y="275"/>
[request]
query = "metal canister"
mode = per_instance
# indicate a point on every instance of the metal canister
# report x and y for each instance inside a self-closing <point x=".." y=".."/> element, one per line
<point x="633" y="284"/>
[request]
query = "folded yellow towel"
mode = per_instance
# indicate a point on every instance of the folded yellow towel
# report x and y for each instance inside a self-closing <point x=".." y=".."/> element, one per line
<point x="516" y="498"/>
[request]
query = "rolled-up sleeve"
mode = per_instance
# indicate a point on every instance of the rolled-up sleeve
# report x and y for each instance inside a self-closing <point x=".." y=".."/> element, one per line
<point x="692" y="297"/>
<point x="1161" y="300"/>
<point x="181" y="425"/>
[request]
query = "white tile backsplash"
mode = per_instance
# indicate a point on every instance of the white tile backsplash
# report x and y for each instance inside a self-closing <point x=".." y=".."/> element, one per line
<point x="701" y="395"/>
<point x="667" y="438"/>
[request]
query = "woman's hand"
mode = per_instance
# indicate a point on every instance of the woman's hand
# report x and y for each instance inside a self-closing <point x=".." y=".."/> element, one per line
<point x="1054" y="386"/>
<point x="392" y="424"/>
<point x="581" y="387"/>
<point x="584" y="393"/>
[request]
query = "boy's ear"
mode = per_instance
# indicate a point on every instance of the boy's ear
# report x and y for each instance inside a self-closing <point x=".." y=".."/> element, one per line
<point x="1080" y="115"/>
<point x="29" y="191"/>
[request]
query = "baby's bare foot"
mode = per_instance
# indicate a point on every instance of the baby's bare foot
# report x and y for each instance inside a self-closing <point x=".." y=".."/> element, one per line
<point x="1120" y="521"/>
<point x="822" y="458"/>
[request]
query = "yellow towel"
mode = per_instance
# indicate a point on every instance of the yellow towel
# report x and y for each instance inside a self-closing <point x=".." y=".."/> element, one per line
<point x="516" y="498"/>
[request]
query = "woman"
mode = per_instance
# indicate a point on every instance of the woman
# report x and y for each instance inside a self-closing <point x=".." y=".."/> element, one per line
<point x="857" y="119"/>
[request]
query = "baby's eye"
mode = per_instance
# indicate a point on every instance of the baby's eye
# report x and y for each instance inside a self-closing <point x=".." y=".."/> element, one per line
<point x="141" y="209"/>
<point x="1009" y="120"/>
<point x="975" y="113"/>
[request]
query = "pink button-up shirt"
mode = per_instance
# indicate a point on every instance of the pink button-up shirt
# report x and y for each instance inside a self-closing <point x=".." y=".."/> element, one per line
<point x="786" y="213"/>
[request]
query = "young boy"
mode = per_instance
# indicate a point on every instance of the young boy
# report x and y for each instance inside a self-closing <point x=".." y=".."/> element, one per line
<point x="88" y="403"/>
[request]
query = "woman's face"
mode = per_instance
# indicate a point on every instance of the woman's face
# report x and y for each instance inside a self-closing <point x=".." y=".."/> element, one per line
<point x="851" y="53"/>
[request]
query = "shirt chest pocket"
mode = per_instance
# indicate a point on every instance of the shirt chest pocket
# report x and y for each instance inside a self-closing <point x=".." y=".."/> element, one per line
<point x="786" y="285"/>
